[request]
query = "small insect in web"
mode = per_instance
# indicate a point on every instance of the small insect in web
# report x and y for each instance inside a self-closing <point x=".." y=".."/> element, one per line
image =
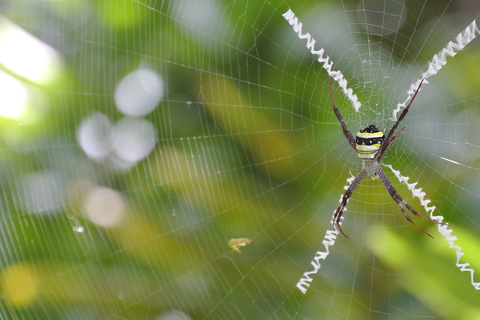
<point x="370" y="145"/>
<point x="236" y="243"/>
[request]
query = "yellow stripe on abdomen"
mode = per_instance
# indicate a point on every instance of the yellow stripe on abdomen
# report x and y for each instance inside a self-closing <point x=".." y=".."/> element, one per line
<point x="368" y="142"/>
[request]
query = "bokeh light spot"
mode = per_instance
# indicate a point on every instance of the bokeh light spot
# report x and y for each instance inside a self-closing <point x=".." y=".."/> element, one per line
<point x="19" y="284"/>
<point x="133" y="139"/>
<point x="94" y="136"/>
<point x="104" y="207"/>
<point x="139" y="92"/>
<point x="27" y="56"/>
<point x="13" y="95"/>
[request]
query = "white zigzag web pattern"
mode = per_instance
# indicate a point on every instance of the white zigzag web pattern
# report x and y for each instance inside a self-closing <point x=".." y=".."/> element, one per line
<point x="322" y="58"/>
<point x="328" y="241"/>
<point x="443" y="229"/>
<point x="437" y="62"/>
<point x="440" y="59"/>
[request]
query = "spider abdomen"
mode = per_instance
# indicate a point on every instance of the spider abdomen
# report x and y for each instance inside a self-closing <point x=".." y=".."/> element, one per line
<point x="368" y="142"/>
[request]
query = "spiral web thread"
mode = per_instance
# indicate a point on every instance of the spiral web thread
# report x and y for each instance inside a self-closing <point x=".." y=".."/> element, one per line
<point x="444" y="230"/>
<point x="435" y="64"/>
<point x="440" y="59"/>
<point x="322" y="58"/>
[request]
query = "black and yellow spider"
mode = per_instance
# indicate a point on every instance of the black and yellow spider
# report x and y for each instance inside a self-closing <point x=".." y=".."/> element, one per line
<point x="370" y="144"/>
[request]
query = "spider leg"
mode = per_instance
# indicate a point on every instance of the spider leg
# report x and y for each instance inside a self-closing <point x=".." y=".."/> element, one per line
<point x="389" y="138"/>
<point x="399" y="200"/>
<point x="419" y="215"/>
<point x="345" y="197"/>
<point x="387" y="143"/>
<point x="346" y="133"/>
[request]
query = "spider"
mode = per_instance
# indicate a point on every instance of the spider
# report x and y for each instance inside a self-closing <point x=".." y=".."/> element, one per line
<point x="370" y="144"/>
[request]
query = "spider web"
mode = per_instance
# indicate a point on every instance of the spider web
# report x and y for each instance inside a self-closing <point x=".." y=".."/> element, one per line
<point x="142" y="138"/>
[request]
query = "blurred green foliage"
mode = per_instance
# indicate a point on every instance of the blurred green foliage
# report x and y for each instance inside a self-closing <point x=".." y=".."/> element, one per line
<point x="247" y="147"/>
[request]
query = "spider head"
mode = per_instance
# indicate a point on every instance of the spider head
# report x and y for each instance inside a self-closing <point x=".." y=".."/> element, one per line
<point x="368" y="142"/>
